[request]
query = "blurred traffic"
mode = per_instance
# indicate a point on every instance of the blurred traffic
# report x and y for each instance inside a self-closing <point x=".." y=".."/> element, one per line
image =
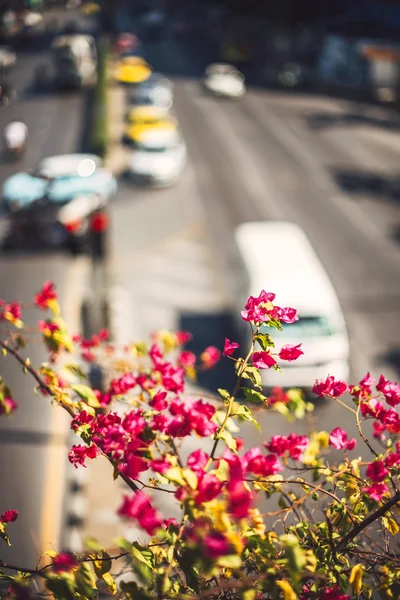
<point x="163" y="161"/>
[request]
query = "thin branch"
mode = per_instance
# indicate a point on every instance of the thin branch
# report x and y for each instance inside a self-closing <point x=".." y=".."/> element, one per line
<point x="367" y="521"/>
<point x="27" y="365"/>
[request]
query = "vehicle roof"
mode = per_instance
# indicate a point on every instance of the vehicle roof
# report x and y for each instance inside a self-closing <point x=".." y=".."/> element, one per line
<point x="70" y="39"/>
<point x="143" y="111"/>
<point x="279" y="258"/>
<point x="65" y="164"/>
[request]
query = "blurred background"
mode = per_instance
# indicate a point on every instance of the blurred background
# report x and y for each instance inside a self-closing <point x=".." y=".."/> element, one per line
<point x="296" y="121"/>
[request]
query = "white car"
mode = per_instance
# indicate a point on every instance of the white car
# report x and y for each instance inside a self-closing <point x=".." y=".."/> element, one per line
<point x="158" y="164"/>
<point x="224" y="80"/>
<point x="8" y="58"/>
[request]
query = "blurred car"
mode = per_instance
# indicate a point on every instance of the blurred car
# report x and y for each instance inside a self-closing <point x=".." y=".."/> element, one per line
<point x="156" y="91"/>
<point x="74" y="60"/>
<point x="8" y="94"/>
<point x="158" y="163"/>
<point x="138" y="113"/>
<point x="132" y="70"/>
<point x="60" y="204"/>
<point x="8" y="58"/>
<point x="224" y="80"/>
<point x="138" y="131"/>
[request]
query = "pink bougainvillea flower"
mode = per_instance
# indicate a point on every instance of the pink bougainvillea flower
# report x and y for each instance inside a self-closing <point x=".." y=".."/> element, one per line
<point x="64" y="561"/>
<point x="82" y="418"/>
<point x="197" y="460"/>
<point x="230" y="347"/>
<point x="333" y="593"/>
<point x="158" y="402"/>
<point x="170" y="522"/>
<point x="12" y="313"/>
<point x="390" y="389"/>
<point x="46" y="296"/>
<point x="378" y="429"/>
<point x="294" y="444"/>
<point x="119" y="387"/>
<point x="260" y="465"/>
<point x="7" y="406"/>
<point x="138" y="507"/>
<point x="329" y="387"/>
<point x="9" y="516"/>
<point x="209" y="487"/>
<point x="183" y="337"/>
<point x="376" y="491"/>
<point x="240" y="499"/>
<point x="160" y="465"/>
<point x="290" y="352"/>
<point x="79" y="453"/>
<point x="286" y="315"/>
<point x="210" y="356"/>
<point x="263" y="360"/>
<point x="187" y="359"/>
<point x="373" y="408"/>
<point x="258" y="309"/>
<point x="377" y="471"/>
<point x="278" y="394"/>
<point x="172" y="378"/>
<point x="393" y="459"/>
<point x="215" y="545"/>
<point x="338" y="439"/>
<point x="104" y="335"/>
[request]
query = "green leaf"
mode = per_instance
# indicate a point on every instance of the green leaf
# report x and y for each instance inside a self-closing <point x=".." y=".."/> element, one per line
<point x="391" y="525"/>
<point x="228" y="439"/>
<point x="124" y="544"/>
<point x="3" y="534"/>
<point x="265" y="341"/>
<point x="86" y="581"/>
<point x="224" y="394"/>
<point x="287" y="590"/>
<point x="110" y="583"/>
<point x="253" y="374"/>
<point x="253" y="396"/>
<point x="133" y="592"/>
<point x="186" y="562"/>
<point x="62" y="587"/>
<point x="143" y="554"/>
<point x="231" y="561"/>
<point x="87" y="394"/>
<point x="102" y="566"/>
<point x="247" y="415"/>
<point x="77" y="371"/>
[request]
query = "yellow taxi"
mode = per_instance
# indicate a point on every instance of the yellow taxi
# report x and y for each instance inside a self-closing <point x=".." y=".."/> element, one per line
<point x="131" y="70"/>
<point x="142" y="124"/>
<point x="90" y="8"/>
<point x="139" y="113"/>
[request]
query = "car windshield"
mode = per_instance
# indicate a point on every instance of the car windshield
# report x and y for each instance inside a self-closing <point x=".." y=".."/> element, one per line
<point x="305" y="328"/>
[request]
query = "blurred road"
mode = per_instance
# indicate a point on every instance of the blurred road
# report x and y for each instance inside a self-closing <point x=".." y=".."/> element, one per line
<point x="34" y="442"/>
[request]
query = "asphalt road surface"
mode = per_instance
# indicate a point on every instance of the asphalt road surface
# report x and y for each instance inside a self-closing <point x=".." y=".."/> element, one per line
<point x="33" y="457"/>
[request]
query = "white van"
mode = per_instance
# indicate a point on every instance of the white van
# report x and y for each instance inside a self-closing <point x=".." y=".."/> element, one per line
<point x="279" y="258"/>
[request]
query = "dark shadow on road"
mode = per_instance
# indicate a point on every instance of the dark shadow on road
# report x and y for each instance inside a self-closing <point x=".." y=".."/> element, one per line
<point x="323" y="120"/>
<point x="211" y="330"/>
<point x="362" y="183"/>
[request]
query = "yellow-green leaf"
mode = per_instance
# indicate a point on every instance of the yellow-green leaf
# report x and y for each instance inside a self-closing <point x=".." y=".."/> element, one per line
<point x="391" y="525"/>
<point x="191" y="478"/>
<point x="231" y="561"/>
<point x="355" y="578"/>
<point x="87" y="394"/>
<point x="110" y="583"/>
<point x="287" y="590"/>
<point x="3" y="534"/>
<point x="228" y="439"/>
<point x="245" y="413"/>
<point x="175" y="474"/>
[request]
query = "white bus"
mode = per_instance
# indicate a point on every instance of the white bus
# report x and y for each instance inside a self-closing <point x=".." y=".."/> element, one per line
<point x="278" y="257"/>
